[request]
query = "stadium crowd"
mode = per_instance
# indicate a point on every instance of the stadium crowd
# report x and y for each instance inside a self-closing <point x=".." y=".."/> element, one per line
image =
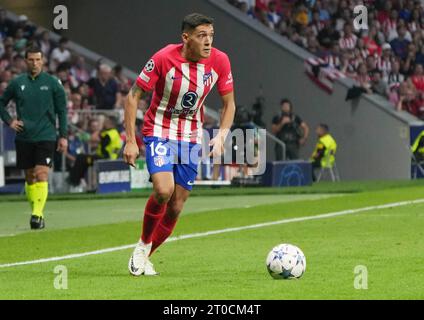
<point x="94" y="92"/>
<point x="387" y="58"/>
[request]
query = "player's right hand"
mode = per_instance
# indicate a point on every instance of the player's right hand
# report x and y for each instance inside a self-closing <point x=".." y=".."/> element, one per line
<point x="17" y="125"/>
<point x="131" y="153"/>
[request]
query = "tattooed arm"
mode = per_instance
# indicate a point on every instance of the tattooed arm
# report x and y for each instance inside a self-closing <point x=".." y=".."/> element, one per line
<point x="132" y="100"/>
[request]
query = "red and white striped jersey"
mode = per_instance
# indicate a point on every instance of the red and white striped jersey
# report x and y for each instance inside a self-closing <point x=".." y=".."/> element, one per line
<point x="348" y="42"/>
<point x="384" y="65"/>
<point x="179" y="91"/>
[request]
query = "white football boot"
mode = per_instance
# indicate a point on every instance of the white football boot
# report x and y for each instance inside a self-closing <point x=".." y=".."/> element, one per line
<point x="139" y="262"/>
<point x="149" y="270"/>
<point x="138" y="259"/>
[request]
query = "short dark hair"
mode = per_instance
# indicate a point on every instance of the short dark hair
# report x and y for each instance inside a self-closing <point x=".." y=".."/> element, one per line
<point x="285" y="100"/>
<point x="193" y="20"/>
<point x="33" y="49"/>
<point x="324" y="126"/>
<point x="63" y="40"/>
<point x="113" y="120"/>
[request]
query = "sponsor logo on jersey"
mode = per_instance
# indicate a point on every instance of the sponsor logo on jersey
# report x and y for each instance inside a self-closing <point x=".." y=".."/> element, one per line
<point x="23" y="87"/>
<point x="44" y="88"/>
<point x="230" y="78"/>
<point x="150" y="66"/>
<point x="189" y="100"/>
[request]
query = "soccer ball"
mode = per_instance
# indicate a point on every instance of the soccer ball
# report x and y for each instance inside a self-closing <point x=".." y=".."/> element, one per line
<point x="286" y="261"/>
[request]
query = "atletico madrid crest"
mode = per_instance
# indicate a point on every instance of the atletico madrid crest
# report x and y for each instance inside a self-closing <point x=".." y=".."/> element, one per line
<point x="159" y="161"/>
<point x="207" y="79"/>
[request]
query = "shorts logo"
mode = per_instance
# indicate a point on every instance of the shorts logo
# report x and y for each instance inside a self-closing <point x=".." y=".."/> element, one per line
<point x="48" y="160"/>
<point x="159" y="161"/>
<point x="150" y="66"/>
<point x="23" y="87"/>
<point x="190" y="183"/>
<point x="207" y="79"/>
<point x="189" y="100"/>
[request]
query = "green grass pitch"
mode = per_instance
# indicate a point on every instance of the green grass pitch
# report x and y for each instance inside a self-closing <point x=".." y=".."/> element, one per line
<point x="388" y="242"/>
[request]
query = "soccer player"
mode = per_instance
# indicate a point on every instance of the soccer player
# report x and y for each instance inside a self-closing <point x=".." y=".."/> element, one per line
<point x="39" y="98"/>
<point x="180" y="76"/>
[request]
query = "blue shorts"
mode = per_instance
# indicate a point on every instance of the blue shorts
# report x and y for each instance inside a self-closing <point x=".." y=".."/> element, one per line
<point x="179" y="157"/>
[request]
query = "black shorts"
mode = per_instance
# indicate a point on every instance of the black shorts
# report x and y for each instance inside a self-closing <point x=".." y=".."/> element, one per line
<point x="31" y="154"/>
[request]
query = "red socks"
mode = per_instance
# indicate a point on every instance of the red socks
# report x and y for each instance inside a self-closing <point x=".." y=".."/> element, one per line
<point x="152" y="216"/>
<point x="163" y="231"/>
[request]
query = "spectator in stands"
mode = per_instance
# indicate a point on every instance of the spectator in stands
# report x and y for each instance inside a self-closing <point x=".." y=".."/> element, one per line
<point x="273" y="16"/>
<point x="124" y="83"/>
<point x="346" y="65"/>
<point x="20" y="42"/>
<point x="406" y="13"/>
<point x="64" y="75"/>
<point x="19" y="64"/>
<point x="409" y="102"/>
<point x="371" y="64"/>
<point x="384" y="14"/>
<point x="290" y="129"/>
<point x="75" y="105"/>
<point x="410" y="61"/>
<point x="417" y="78"/>
<point x="325" y="150"/>
<point x="384" y="62"/>
<point x="247" y="8"/>
<point x="394" y="80"/>
<point x="45" y="43"/>
<point x="316" y="24"/>
<point x="400" y="44"/>
<point x="79" y="70"/>
<point x="60" y="54"/>
<point x="28" y="28"/>
<point x="328" y="35"/>
<point x="415" y="22"/>
<point x="349" y="39"/>
<point x="370" y="40"/>
<point x="108" y="148"/>
<point x="378" y="85"/>
<point x="7" y="26"/>
<point x="390" y="26"/>
<point x="301" y="15"/>
<point x="105" y="89"/>
<point x="363" y="78"/>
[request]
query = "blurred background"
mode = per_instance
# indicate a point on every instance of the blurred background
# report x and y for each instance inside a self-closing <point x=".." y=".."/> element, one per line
<point x="366" y="85"/>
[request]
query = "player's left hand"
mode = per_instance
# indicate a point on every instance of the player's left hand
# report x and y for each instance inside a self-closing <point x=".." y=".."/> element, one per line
<point x="131" y="153"/>
<point x="217" y="144"/>
<point x="62" y="145"/>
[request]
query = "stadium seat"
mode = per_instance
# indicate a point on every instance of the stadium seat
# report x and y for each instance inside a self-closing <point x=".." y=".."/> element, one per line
<point x="330" y="169"/>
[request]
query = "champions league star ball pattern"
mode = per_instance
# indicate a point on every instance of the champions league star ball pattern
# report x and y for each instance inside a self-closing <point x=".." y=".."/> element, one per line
<point x="286" y="261"/>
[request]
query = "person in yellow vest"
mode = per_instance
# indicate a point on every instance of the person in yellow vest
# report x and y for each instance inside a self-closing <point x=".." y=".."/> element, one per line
<point x="110" y="140"/>
<point x="325" y="150"/>
<point x="109" y="148"/>
<point x="418" y="147"/>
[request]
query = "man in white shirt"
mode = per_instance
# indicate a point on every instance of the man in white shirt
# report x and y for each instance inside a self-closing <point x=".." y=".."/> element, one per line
<point x="60" y="54"/>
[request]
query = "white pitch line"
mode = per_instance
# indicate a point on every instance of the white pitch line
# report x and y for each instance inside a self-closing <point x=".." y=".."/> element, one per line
<point x="214" y="232"/>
